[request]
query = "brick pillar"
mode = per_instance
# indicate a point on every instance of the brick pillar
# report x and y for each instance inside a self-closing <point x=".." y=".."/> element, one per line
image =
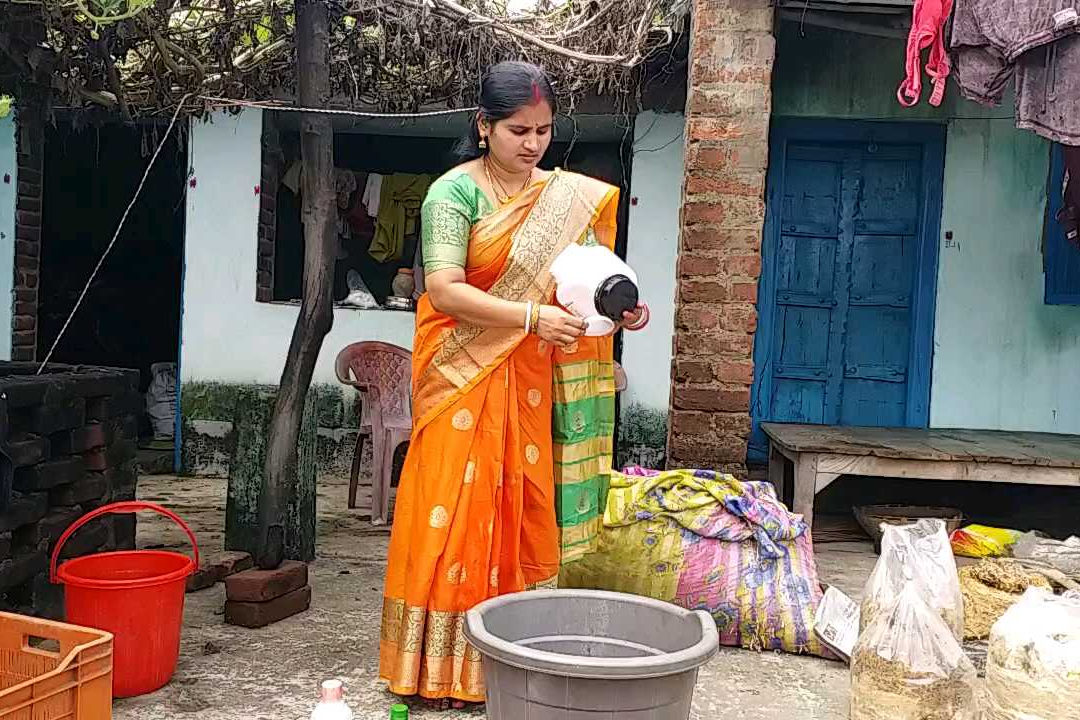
<point x="272" y="161"/>
<point x="30" y="140"/>
<point x="727" y="143"/>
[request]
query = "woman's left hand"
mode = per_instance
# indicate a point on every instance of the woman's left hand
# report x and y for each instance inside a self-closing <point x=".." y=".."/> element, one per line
<point x="636" y="319"/>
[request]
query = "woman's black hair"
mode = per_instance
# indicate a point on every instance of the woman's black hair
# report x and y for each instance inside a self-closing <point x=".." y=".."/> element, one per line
<point x="505" y="88"/>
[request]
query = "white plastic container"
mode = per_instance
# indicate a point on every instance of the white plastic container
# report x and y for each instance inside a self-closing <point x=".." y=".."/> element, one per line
<point x="332" y="702"/>
<point x="596" y="285"/>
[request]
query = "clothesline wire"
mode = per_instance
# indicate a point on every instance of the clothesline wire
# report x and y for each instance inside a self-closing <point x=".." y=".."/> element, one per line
<point x="116" y="235"/>
<point x="271" y="105"/>
<point x="266" y="105"/>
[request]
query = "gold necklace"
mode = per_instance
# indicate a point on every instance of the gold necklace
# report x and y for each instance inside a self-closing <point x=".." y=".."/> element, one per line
<point x="496" y="186"/>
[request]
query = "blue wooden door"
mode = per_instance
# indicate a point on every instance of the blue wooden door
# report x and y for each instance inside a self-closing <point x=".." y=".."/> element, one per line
<point x="841" y="328"/>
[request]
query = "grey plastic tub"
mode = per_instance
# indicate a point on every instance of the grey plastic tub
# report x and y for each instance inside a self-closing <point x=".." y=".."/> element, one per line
<point x="589" y="655"/>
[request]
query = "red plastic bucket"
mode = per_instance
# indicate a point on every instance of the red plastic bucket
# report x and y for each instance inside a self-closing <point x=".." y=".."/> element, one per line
<point x="137" y="595"/>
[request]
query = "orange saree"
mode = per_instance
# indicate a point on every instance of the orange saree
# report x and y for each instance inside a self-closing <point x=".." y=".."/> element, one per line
<point x="475" y="514"/>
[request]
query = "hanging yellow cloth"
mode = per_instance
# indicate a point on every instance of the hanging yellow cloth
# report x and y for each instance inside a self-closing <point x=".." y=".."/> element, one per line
<point x="399" y="214"/>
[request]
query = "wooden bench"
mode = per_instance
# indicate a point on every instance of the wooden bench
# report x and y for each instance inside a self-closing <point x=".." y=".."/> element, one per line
<point x="819" y="454"/>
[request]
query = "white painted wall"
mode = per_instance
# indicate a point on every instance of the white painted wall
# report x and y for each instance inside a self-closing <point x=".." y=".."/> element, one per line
<point x="652" y="249"/>
<point x="1003" y="359"/>
<point x="227" y="336"/>
<point x="8" y="186"/>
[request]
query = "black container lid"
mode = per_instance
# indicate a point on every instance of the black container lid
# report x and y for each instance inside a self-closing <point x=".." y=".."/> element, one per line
<point x="615" y="296"/>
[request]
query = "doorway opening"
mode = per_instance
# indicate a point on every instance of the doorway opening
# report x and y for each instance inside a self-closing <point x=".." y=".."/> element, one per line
<point x="130" y="317"/>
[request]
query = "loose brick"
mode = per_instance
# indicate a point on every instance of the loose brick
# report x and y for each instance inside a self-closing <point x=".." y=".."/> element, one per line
<point x="79" y="440"/>
<point x="26" y="449"/>
<point x="259" y="586"/>
<point x="255" y="615"/>
<point x="231" y="563"/>
<point x="23" y="510"/>
<point x="202" y="579"/>
<point x="48" y="475"/>
<point x="218" y="567"/>
<point x="91" y="487"/>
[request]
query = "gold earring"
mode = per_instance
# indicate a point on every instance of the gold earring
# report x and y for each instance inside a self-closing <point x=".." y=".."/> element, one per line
<point x="483" y="143"/>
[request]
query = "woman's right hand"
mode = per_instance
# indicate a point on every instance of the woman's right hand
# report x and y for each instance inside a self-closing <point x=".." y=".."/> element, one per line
<point x="558" y="326"/>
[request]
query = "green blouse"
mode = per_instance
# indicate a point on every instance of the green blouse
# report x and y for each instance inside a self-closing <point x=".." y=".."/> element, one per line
<point x="454" y="203"/>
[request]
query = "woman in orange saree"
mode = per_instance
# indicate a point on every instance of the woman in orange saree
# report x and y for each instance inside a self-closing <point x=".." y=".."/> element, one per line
<point x="493" y="362"/>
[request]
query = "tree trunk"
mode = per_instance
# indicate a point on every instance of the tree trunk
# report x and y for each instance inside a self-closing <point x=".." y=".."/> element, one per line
<point x="316" y="306"/>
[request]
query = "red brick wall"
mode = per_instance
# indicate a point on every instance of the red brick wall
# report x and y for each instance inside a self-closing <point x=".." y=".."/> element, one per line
<point x="30" y="141"/>
<point x="727" y="136"/>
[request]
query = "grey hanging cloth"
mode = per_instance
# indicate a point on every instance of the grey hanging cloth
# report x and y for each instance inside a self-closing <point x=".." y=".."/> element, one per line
<point x="1035" y="43"/>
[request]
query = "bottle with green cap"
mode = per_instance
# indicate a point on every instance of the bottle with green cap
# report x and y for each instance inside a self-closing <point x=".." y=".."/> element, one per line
<point x="399" y="712"/>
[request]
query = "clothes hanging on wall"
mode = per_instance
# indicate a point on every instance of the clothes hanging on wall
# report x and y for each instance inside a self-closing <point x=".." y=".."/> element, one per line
<point x="399" y="214"/>
<point x="928" y="18"/>
<point x="1036" y="43"/>
<point x="372" y="194"/>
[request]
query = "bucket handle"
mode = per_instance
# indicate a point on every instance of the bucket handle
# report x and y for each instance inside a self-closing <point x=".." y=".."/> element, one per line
<point x="118" y="508"/>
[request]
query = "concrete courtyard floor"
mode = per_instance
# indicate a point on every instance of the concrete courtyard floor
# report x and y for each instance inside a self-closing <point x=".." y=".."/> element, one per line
<point x="228" y="673"/>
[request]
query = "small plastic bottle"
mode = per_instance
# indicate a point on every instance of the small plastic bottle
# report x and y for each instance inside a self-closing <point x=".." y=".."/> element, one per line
<point x="332" y="702"/>
<point x="399" y="712"/>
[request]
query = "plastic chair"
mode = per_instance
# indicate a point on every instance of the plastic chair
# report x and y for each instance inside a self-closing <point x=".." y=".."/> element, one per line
<point x="383" y="374"/>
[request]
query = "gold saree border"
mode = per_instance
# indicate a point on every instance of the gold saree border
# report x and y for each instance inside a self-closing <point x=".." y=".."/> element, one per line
<point x="429" y="653"/>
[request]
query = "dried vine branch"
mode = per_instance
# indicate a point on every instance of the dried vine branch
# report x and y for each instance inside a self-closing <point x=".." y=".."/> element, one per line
<point x="385" y="55"/>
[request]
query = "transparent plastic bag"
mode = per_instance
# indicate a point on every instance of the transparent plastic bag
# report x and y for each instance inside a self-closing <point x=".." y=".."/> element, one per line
<point x="907" y="665"/>
<point x="919" y="553"/>
<point x="1033" y="664"/>
<point x="359" y="296"/>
